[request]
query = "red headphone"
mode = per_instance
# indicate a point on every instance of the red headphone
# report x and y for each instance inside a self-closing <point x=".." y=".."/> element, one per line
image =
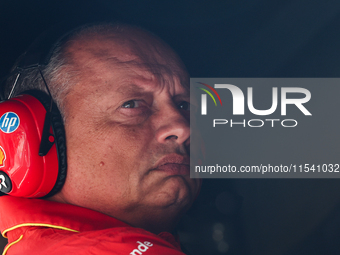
<point x="32" y="135"/>
<point x="24" y="169"/>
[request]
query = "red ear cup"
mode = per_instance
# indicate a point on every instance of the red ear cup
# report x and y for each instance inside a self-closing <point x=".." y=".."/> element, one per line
<point x="23" y="173"/>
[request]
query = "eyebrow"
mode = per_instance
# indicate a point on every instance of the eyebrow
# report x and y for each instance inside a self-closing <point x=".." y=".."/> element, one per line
<point x="130" y="88"/>
<point x="138" y="90"/>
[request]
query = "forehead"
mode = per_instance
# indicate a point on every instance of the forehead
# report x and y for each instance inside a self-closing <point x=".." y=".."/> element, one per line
<point x="130" y="58"/>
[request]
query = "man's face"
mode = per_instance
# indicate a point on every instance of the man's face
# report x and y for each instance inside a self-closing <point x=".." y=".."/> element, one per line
<point x="127" y="131"/>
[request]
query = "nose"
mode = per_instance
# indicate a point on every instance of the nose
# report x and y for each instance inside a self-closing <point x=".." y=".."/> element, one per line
<point x="173" y="125"/>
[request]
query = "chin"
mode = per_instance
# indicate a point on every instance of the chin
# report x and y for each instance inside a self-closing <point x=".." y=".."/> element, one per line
<point x="176" y="192"/>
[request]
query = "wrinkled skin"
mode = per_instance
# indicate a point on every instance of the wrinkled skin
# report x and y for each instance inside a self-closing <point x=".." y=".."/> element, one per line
<point x="127" y="130"/>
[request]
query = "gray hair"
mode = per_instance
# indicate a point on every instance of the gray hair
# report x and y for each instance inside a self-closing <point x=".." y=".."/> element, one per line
<point x="60" y="74"/>
<point x="59" y="82"/>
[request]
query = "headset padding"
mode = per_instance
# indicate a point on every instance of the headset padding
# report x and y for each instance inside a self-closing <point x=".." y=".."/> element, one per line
<point x="59" y="137"/>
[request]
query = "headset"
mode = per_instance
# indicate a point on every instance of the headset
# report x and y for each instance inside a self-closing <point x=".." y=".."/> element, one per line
<point x="33" y="160"/>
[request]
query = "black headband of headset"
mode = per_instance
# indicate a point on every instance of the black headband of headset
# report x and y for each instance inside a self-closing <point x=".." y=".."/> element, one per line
<point x="40" y="51"/>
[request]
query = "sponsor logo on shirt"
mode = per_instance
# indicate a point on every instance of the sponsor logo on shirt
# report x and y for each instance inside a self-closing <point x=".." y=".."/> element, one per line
<point x="141" y="248"/>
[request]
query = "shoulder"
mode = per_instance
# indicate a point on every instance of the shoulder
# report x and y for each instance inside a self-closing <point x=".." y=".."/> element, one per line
<point x="124" y="240"/>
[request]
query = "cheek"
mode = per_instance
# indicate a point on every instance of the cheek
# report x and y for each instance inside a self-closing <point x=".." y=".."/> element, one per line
<point x="130" y="140"/>
<point x="109" y="148"/>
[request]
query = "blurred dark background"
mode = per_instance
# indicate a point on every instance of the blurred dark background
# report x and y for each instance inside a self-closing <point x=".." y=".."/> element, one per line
<point x="220" y="38"/>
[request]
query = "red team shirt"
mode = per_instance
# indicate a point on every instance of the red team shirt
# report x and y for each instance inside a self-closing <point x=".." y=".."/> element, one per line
<point x="35" y="226"/>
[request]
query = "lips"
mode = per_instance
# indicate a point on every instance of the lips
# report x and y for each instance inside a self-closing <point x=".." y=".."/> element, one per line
<point x="174" y="164"/>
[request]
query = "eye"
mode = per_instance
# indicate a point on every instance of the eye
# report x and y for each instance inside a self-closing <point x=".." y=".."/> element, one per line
<point x="131" y="104"/>
<point x="184" y="105"/>
<point x="136" y="109"/>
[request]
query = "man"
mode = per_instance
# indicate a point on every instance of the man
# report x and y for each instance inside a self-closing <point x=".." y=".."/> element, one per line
<point x="124" y="97"/>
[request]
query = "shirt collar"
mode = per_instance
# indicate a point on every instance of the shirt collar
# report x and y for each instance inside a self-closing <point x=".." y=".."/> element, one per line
<point x="18" y="211"/>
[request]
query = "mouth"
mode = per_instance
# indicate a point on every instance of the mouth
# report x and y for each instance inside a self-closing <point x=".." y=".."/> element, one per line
<point x="174" y="164"/>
